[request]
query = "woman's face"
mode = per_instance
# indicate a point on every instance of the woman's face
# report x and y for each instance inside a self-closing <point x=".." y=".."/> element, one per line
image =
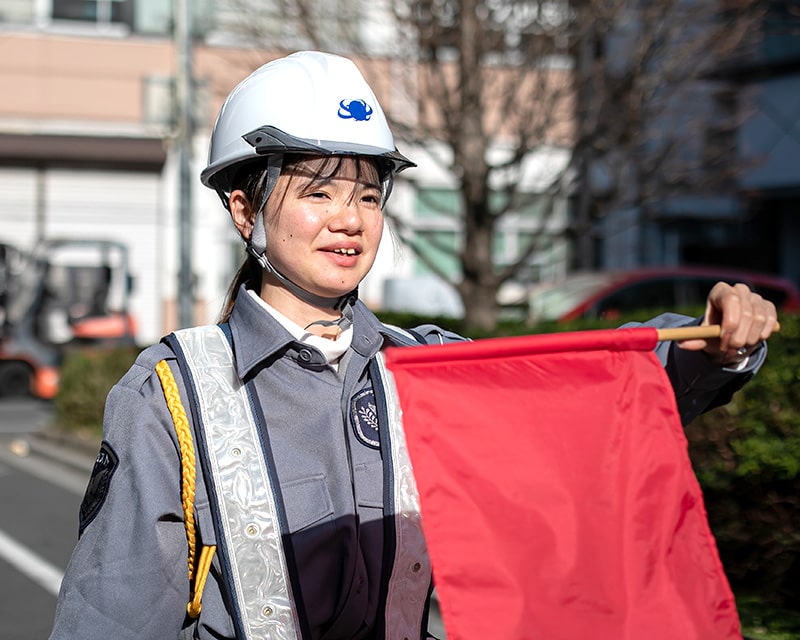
<point x="324" y="222"/>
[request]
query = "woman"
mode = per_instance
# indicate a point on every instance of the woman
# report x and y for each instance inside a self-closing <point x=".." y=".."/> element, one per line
<point x="301" y="485"/>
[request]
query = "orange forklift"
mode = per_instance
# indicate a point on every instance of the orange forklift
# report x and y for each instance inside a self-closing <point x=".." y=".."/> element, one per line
<point x="63" y="294"/>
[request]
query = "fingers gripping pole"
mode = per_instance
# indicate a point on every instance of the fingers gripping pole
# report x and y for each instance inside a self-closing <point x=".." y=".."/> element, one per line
<point x="188" y="479"/>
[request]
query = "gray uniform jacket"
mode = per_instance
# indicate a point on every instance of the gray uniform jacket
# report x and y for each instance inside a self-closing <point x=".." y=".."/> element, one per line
<point x="127" y="578"/>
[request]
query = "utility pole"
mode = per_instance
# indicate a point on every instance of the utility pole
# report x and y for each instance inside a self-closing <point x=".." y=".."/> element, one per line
<point x="185" y="131"/>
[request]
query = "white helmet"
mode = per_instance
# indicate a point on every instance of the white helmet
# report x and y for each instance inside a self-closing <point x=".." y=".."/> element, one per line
<point x="307" y="102"/>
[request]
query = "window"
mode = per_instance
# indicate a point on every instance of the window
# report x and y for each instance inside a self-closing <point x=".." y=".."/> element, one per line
<point x="17" y="11"/>
<point x="437" y="212"/>
<point x="436" y="203"/>
<point x="781" y="32"/>
<point x="102" y="12"/>
<point x="445" y="260"/>
<point x="779" y="297"/>
<point x="692" y="292"/>
<point x="320" y="24"/>
<point x="152" y="17"/>
<point x="650" y="294"/>
<point x="155" y="16"/>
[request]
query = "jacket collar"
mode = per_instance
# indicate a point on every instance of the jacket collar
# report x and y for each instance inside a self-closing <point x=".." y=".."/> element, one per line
<point x="257" y="336"/>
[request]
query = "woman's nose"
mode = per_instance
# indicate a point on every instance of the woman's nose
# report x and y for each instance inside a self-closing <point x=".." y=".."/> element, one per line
<point x="347" y="217"/>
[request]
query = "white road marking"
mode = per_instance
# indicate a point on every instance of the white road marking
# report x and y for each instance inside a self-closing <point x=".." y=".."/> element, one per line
<point x="28" y="563"/>
<point x="47" y="470"/>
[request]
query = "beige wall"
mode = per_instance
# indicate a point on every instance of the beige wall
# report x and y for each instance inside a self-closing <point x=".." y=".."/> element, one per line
<point x="69" y="78"/>
<point x="102" y="79"/>
<point x="48" y="76"/>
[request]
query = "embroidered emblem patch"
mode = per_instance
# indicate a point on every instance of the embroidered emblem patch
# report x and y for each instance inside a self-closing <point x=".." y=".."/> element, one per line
<point x="364" y="416"/>
<point x="104" y="466"/>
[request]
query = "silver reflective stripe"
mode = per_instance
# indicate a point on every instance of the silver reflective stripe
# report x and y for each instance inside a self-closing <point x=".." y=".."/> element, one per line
<point x="242" y="487"/>
<point x="411" y="573"/>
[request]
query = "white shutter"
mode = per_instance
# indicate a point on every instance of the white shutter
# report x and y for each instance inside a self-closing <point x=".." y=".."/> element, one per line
<point x="123" y="206"/>
<point x="18" y="208"/>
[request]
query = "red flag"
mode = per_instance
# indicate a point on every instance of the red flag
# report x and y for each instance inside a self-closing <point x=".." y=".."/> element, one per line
<point x="557" y="496"/>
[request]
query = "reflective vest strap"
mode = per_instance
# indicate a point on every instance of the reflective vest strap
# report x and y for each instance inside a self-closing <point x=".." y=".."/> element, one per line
<point x="411" y="574"/>
<point x="241" y="489"/>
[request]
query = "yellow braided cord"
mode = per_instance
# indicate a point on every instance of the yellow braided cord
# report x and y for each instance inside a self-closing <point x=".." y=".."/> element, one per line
<point x="188" y="479"/>
<point x="203" y="567"/>
<point x="186" y="443"/>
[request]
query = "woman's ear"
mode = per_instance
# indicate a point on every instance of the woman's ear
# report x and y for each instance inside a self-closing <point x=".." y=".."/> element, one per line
<point x="242" y="213"/>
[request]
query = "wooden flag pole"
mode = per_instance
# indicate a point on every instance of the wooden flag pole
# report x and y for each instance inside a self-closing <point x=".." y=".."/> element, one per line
<point x="694" y="333"/>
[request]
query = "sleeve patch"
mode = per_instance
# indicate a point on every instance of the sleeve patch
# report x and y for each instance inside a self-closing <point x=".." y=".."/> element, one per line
<point x="104" y="467"/>
<point x="364" y="417"/>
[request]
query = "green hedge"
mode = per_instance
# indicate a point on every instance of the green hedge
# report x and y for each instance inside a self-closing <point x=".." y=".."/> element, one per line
<point x="746" y="454"/>
<point x="87" y="376"/>
<point x="747" y="458"/>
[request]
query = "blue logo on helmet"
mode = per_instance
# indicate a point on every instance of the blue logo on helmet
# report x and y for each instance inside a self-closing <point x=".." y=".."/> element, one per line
<point x="356" y="109"/>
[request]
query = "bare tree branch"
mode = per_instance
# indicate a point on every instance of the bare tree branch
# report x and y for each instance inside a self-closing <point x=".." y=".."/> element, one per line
<point x="499" y="82"/>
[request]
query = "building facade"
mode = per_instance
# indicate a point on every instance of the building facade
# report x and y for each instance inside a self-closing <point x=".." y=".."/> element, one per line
<point x="88" y="149"/>
<point x="750" y="99"/>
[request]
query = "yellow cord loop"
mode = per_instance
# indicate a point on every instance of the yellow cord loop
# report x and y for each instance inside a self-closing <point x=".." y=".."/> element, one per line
<point x="188" y="479"/>
<point x="203" y="566"/>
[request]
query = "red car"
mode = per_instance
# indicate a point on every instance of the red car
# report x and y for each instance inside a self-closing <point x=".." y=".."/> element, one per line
<point x="608" y="294"/>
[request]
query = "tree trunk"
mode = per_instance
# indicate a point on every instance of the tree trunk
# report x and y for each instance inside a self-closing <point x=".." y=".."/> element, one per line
<point x="480" y="306"/>
<point x="478" y="289"/>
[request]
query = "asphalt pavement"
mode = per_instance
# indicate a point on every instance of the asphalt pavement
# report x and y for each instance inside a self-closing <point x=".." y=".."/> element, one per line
<point x="42" y="481"/>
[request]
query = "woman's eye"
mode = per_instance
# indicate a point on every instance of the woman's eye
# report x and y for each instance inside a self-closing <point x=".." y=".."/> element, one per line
<point x="371" y="199"/>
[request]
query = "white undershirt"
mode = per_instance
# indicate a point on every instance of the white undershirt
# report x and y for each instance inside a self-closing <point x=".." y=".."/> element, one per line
<point x="331" y="349"/>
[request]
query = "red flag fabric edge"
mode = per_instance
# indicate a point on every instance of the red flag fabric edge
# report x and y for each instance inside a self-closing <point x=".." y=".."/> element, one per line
<point x="557" y="497"/>
<point x="634" y="338"/>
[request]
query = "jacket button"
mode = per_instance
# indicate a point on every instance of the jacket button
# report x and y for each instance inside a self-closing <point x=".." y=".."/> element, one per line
<point x="305" y="355"/>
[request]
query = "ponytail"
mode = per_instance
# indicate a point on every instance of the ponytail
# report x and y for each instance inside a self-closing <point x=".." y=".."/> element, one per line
<point x="249" y="273"/>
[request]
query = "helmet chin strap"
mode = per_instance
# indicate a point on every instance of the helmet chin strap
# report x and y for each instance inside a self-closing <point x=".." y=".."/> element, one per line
<point x="257" y="247"/>
<point x="337" y="303"/>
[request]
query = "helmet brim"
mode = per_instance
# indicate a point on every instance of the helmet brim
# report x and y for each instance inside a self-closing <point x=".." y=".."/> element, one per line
<point x="268" y="140"/>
